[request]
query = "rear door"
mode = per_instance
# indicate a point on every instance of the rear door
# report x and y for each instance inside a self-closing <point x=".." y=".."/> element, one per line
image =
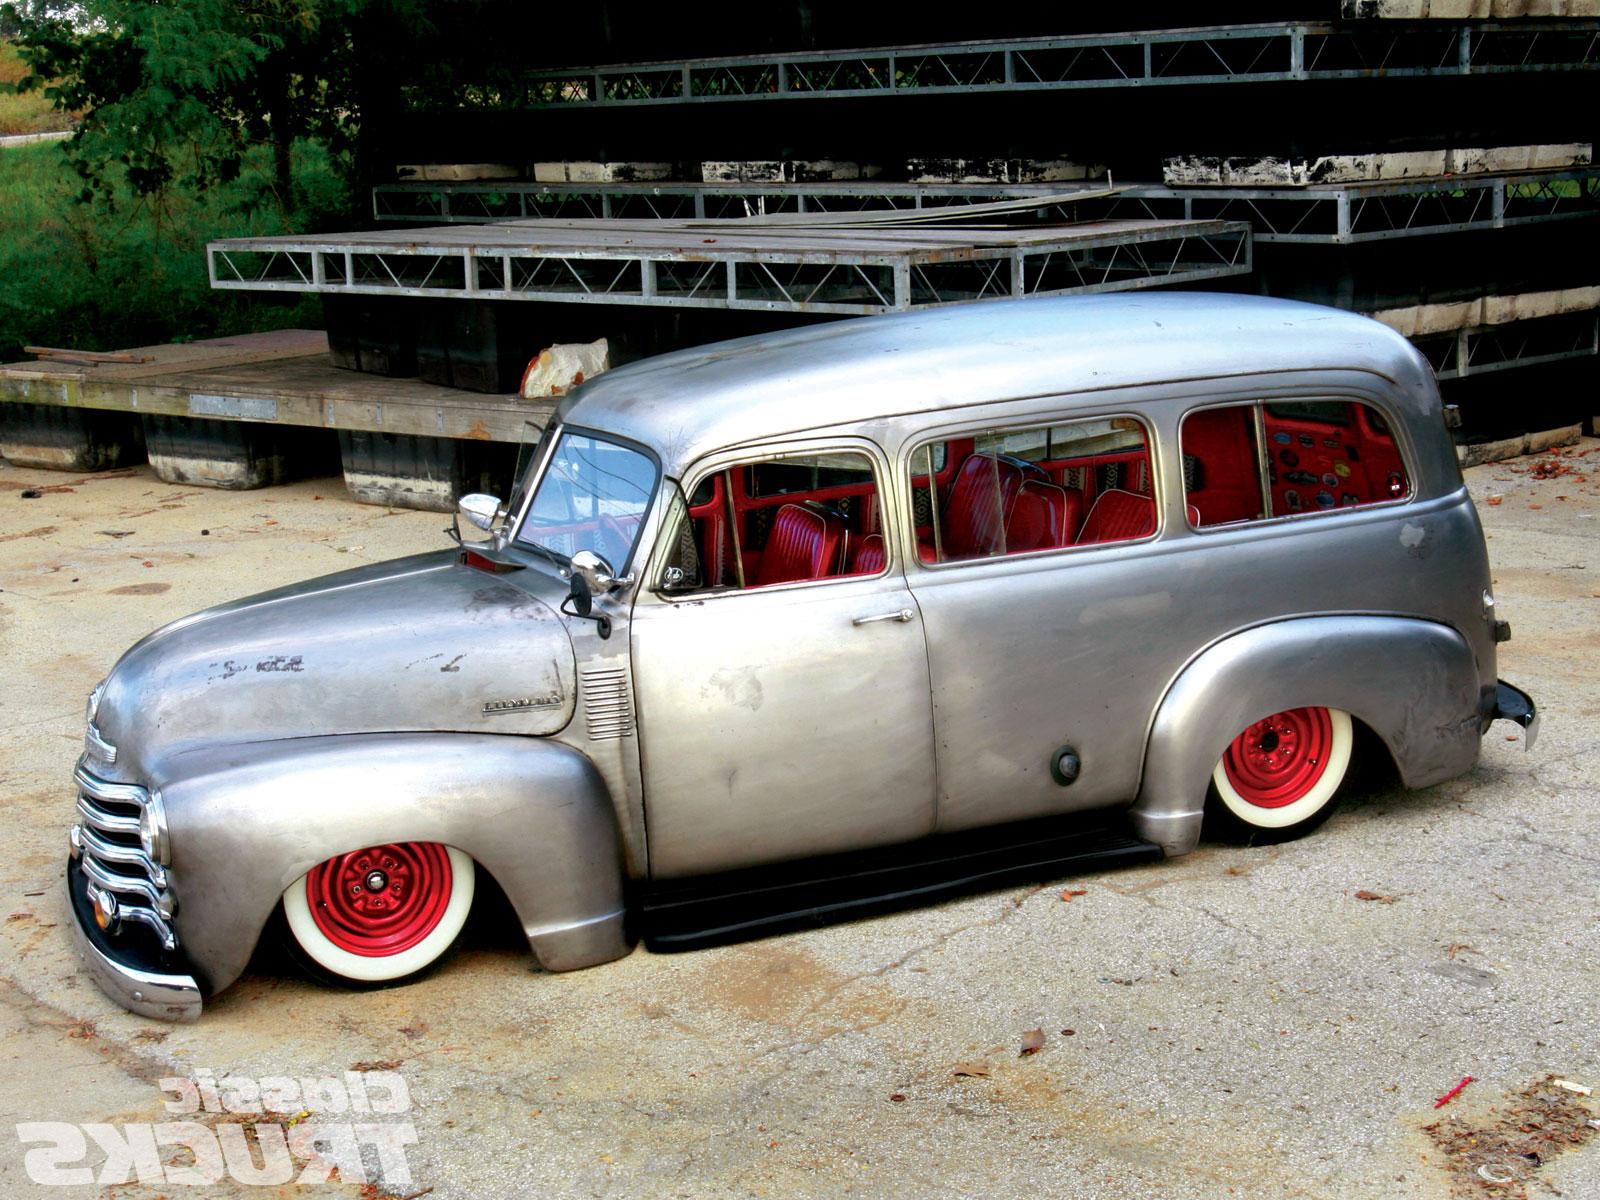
<point x="1044" y="593"/>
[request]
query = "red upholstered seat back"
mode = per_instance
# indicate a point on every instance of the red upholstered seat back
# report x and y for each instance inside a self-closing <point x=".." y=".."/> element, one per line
<point x="804" y="544"/>
<point x="1043" y="516"/>
<point x="980" y="502"/>
<point x="1118" y="516"/>
<point x="868" y="555"/>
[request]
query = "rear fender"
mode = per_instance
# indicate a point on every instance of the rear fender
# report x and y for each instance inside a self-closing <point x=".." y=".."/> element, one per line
<point x="1414" y="683"/>
<point x="248" y="820"/>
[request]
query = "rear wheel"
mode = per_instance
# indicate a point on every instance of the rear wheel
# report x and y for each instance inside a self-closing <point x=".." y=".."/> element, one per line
<point x="380" y="915"/>
<point x="1281" y="774"/>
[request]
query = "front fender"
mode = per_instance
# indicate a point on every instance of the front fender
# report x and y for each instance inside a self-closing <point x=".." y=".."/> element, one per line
<point x="248" y="820"/>
<point x="1414" y="683"/>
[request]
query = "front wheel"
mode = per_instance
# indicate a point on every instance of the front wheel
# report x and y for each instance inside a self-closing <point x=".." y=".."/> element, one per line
<point x="380" y="915"/>
<point x="1279" y="776"/>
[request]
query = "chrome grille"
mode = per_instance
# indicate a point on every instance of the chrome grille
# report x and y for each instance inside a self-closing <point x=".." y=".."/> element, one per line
<point x="107" y="844"/>
<point x="605" y="702"/>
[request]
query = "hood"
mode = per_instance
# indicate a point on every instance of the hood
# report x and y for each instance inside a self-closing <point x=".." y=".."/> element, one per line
<point x="422" y="643"/>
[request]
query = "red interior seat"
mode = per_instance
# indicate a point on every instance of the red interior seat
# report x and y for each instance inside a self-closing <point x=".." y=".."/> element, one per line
<point x="805" y="543"/>
<point x="1118" y="516"/>
<point x="980" y="504"/>
<point x="1043" y="516"/>
<point x="868" y="555"/>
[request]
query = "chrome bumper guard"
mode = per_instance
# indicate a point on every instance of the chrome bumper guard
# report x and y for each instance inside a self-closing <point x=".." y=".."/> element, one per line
<point x="149" y="987"/>
<point x="1514" y="704"/>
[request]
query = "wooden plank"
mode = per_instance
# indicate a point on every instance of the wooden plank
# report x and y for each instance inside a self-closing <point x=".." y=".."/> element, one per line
<point x="257" y="380"/>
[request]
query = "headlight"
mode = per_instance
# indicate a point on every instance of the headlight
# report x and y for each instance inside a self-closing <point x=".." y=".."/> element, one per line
<point x="153" y="838"/>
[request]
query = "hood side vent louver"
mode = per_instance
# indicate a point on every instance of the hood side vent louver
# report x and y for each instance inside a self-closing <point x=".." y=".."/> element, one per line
<point x="605" y="702"/>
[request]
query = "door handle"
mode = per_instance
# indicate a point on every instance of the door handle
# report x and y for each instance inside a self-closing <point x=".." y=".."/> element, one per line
<point x="903" y="615"/>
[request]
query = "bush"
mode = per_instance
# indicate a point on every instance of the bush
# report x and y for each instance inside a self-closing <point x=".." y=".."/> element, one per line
<point x="91" y="277"/>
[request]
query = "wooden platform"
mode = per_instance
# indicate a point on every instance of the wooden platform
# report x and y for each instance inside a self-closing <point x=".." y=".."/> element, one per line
<point x="282" y="378"/>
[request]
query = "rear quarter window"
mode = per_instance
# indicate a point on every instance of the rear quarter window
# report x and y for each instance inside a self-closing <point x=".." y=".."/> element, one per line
<point x="1260" y="460"/>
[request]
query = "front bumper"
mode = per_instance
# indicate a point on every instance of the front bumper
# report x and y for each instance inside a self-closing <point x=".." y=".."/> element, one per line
<point x="138" y="976"/>
<point x="1514" y="704"/>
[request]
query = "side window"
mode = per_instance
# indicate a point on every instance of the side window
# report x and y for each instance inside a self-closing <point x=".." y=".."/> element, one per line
<point x="1015" y="491"/>
<point x="1246" y="462"/>
<point x="779" y="520"/>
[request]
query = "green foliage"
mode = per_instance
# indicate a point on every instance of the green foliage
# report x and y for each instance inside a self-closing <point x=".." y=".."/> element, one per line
<point x="78" y="275"/>
<point x="177" y="94"/>
<point x="26" y="113"/>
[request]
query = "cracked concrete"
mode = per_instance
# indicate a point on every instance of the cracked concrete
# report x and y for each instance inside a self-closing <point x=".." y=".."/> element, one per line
<point x="1240" y="1022"/>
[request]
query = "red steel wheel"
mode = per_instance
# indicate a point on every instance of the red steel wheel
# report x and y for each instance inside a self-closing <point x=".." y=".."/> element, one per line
<point x="1285" y="768"/>
<point x="383" y="912"/>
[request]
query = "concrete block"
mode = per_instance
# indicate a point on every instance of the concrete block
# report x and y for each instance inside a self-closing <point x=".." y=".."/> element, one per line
<point x="1000" y="170"/>
<point x="69" y="439"/>
<point x="601" y="172"/>
<point x="422" y="472"/>
<point x="458" y="172"/>
<point x="1528" y="306"/>
<point x="236" y="455"/>
<point x="744" y="171"/>
<point x="821" y="170"/>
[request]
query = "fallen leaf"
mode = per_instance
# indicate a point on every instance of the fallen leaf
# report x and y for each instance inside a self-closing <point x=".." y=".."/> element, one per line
<point x="1378" y="896"/>
<point x="1495" y="500"/>
<point x="976" y="1070"/>
<point x="897" y="1097"/>
<point x="386" y="1064"/>
<point x="1032" y="1042"/>
<point x="1071" y="892"/>
<point x="1236" y="871"/>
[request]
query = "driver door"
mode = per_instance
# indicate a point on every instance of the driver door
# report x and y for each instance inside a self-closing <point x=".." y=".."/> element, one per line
<point x="782" y="691"/>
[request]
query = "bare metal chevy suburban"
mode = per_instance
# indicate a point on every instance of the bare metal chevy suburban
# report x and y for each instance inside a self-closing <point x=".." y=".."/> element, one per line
<point x="810" y="624"/>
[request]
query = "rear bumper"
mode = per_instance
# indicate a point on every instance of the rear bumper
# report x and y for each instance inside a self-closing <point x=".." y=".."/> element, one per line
<point x="141" y="979"/>
<point x="1514" y="704"/>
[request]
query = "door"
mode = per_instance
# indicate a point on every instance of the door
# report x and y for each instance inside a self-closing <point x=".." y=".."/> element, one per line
<point x="782" y="690"/>
<point x="1048" y="612"/>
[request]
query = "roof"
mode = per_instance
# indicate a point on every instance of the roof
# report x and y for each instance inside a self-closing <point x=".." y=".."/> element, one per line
<point x="690" y="402"/>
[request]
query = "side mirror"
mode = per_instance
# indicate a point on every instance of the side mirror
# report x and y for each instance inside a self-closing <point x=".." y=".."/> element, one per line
<point x="591" y="575"/>
<point x="595" y="572"/>
<point x="479" y="509"/>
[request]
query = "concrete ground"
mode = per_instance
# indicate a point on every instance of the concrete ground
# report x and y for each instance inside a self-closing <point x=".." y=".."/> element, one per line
<point x="1242" y="1022"/>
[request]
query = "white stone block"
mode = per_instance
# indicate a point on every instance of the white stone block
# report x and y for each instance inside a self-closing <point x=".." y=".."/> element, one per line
<point x="601" y="172"/>
<point x="743" y="171"/>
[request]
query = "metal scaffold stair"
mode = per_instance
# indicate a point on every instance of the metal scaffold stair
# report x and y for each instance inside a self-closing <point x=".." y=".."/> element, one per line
<point x="798" y="268"/>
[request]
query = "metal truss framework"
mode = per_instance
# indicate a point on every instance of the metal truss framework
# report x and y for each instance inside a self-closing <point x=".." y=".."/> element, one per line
<point x="1483" y="348"/>
<point x="1322" y="214"/>
<point x="849" y="272"/>
<point x="1220" y="54"/>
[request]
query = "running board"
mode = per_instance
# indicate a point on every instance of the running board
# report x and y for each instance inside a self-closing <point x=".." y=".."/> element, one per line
<point x="742" y="905"/>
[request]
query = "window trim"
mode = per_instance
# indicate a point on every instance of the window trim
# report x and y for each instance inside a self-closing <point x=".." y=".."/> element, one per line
<point x="733" y="458"/>
<point x="1154" y="453"/>
<point x="1258" y="406"/>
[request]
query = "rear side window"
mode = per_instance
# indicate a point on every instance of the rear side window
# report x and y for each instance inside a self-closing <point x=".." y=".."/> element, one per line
<point x="1016" y="491"/>
<point x="1250" y="462"/>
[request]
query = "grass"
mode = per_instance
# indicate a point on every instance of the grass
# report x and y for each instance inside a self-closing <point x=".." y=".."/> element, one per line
<point x="29" y="113"/>
<point x="76" y="275"/>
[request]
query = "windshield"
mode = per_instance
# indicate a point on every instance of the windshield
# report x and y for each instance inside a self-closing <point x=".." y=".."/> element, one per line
<point x="593" y="496"/>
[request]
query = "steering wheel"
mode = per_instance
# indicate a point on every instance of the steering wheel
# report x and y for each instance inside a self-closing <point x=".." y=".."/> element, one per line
<point x="616" y="538"/>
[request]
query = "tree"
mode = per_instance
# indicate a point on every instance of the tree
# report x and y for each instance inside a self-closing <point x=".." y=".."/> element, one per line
<point x="176" y="94"/>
